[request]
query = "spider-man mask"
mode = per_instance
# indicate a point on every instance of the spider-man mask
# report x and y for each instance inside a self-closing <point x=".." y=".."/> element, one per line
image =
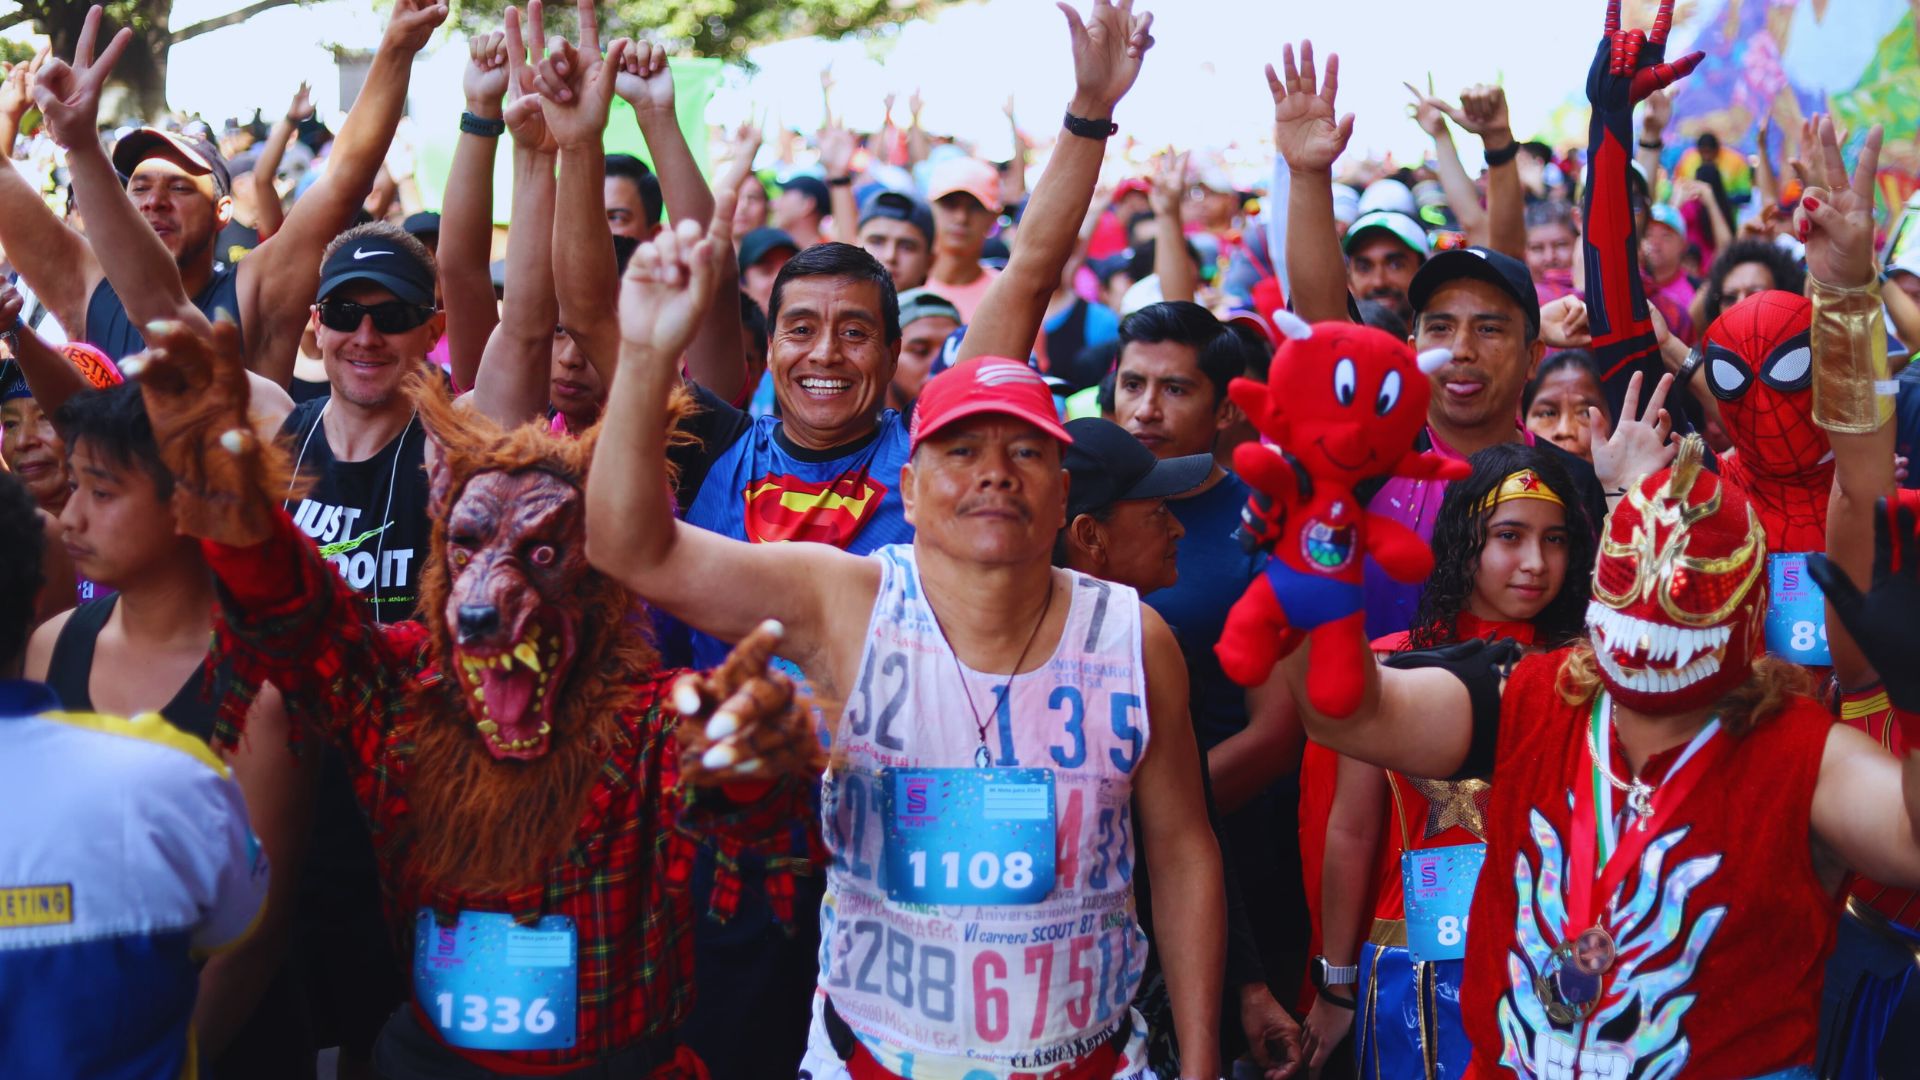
<point x="1758" y="357"/>
<point x="1678" y="590"/>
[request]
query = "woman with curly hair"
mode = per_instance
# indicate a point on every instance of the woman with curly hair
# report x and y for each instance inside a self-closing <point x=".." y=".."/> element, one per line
<point x="1746" y="267"/>
<point x="1512" y="555"/>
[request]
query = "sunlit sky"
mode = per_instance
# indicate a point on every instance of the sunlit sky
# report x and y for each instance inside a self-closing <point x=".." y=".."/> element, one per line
<point x="1202" y="85"/>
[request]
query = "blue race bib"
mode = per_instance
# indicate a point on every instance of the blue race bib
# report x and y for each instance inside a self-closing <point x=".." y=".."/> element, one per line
<point x="1438" y="884"/>
<point x="487" y="983"/>
<point x="1796" y="612"/>
<point x="969" y="836"/>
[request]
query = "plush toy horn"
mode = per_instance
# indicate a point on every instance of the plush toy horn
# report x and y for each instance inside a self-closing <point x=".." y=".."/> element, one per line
<point x="1433" y="360"/>
<point x="1293" y="326"/>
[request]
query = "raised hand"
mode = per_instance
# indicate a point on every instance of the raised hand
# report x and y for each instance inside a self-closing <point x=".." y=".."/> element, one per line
<point x="226" y="481"/>
<point x="577" y="83"/>
<point x="1640" y="445"/>
<point x="1169" y="182"/>
<point x="1632" y="64"/>
<point x="68" y="95"/>
<point x="1427" y="110"/>
<point x="1306" y="130"/>
<point x="1836" y="221"/>
<point x="742" y="721"/>
<point x="837" y="145"/>
<point x="301" y="107"/>
<point x="1483" y="111"/>
<point x="1108" y="46"/>
<point x="412" y="23"/>
<point x="484" y="81"/>
<point x="1563" y="324"/>
<point x="525" y="118"/>
<point x="1881" y="620"/>
<point x="645" y="82"/>
<point x="1656" y="114"/>
<point x="667" y="288"/>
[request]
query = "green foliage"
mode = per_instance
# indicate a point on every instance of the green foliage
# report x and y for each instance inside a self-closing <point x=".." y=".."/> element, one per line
<point x="15" y="52"/>
<point x="719" y="28"/>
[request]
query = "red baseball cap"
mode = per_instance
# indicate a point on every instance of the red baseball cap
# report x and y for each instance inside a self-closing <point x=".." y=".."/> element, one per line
<point x="985" y="384"/>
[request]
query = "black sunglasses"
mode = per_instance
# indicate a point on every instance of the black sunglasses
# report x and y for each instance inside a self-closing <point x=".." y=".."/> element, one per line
<point x="392" y="317"/>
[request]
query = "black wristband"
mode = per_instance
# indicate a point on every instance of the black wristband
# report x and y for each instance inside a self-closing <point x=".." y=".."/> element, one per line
<point x="480" y="125"/>
<point x="1504" y="155"/>
<point x="1090" y="129"/>
<point x="840" y="181"/>
<point x="1652" y="144"/>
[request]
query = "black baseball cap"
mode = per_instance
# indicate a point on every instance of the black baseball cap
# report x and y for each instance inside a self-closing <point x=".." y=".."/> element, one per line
<point x="198" y="156"/>
<point x="899" y="206"/>
<point x="382" y="260"/>
<point x="422" y="225"/>
<point x="762" y="242"/>
<point x="1504" y="272"/>
<point x="1108" y="465"/>
<point x="814" y="188"/>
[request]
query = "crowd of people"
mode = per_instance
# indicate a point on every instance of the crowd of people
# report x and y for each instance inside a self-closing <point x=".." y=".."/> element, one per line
<point x="857" y="620"/>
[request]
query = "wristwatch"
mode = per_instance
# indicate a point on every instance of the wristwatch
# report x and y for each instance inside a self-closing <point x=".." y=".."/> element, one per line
<point x="1326" y="977"/>
<point x="1089" y="129"/>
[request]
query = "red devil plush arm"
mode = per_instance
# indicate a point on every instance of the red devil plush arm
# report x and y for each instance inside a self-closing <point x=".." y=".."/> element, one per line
<point x="1426" y="466"/>
<point x="1628" y="66"/>
<point x="1398" y="549"/>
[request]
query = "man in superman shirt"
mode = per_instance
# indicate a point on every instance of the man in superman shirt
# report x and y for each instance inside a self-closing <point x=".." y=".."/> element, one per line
<point x="826" y="470"/>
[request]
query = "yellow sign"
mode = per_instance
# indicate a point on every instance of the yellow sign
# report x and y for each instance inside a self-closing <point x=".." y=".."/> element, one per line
<point x="35" y="905"/>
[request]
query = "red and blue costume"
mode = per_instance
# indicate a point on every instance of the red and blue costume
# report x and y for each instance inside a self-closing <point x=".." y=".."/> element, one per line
<point x="1353" y="400"/>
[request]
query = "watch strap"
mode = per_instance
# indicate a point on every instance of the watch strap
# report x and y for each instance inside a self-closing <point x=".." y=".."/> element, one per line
<point x="480" y="125"/>
<point x="1503" y="155"/>
<point x="1090" y="129"/>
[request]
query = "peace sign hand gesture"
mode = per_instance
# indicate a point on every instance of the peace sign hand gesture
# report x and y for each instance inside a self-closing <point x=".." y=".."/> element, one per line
<point x="525" y="118"/>
<point x="1836" y="222"/>
<point x="69" y="95"/>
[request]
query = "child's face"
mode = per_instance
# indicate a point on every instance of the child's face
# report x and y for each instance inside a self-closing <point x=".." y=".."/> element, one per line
<point x="1523" y="562"/>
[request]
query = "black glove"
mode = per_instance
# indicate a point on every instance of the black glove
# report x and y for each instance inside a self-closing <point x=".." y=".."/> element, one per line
<point x="1883" y="621"/>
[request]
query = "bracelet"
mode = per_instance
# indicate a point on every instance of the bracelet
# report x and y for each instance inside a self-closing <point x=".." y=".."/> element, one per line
<point x="1496" y="158"/>
<point x="480" y="125"/>
<point x="1090" y="129"/>
<point x="1652" y="144"/>
<point x="840" y="181"/>
<point x="1692" y="364"/>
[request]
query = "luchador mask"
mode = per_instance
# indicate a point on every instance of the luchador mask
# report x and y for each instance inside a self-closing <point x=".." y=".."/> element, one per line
<point x="1678" y="590"/>
<point x="1758" y="360"/>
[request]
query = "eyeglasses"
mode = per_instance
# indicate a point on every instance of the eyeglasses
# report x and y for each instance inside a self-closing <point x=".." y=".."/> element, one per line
<point x="392" y="317"/>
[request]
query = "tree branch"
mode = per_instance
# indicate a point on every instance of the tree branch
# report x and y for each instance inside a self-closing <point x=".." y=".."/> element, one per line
<point x="234" y="18"/>
<point x="15" y="18"/>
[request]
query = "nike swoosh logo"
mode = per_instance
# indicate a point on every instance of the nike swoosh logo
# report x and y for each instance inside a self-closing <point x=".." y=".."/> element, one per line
<point x="341" y="547"/>
<point x="359" y="254"/>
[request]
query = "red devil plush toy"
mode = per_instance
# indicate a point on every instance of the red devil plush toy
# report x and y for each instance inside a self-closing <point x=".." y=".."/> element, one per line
<point x="1342" y="405"/>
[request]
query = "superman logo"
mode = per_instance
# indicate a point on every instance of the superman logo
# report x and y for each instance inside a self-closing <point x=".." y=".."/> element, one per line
<point x="783" y="508"/>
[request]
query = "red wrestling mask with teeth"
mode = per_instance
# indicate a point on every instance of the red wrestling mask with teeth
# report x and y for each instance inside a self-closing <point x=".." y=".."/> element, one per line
<point x="1678" y="590"/>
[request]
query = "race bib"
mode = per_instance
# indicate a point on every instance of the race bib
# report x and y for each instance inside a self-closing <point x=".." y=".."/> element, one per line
<point x="968" y="836"/>
<point x="489" y="984"/>
<point x="1438" y="884"/>
<point x="1796" y="612"/>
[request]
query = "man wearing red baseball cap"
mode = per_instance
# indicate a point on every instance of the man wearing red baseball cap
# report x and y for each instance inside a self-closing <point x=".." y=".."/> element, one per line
<point x="1006" y="724"/>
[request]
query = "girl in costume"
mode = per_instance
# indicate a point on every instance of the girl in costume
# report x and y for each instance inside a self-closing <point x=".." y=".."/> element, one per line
<point x="1513" y="552"/>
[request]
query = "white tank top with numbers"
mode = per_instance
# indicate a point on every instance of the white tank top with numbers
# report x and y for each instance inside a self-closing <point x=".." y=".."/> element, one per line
<point x="952" y="991"/>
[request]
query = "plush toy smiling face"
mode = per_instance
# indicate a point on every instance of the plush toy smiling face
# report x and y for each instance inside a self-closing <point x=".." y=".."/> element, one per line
<point x="1351" y="398"/>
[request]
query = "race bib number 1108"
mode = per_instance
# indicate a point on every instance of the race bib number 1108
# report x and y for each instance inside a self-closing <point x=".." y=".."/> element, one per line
<point x="969" y="836"/>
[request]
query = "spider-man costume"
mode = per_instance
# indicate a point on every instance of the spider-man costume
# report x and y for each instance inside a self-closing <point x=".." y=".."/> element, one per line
<point x="1629" y="65"/>
<point x="1758" y="362"/>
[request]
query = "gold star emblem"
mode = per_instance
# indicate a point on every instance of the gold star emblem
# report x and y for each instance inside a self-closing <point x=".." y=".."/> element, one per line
<point x="1451" y="803"/>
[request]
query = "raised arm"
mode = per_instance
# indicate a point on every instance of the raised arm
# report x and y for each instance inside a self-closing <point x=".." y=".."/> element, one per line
<point x="278" y="279"/>
<point x="1417" y="721"/>
<point x="1648" y="147"/>
<point x="1483" y="111"/>
<point x="1309" y="135"/>
<point x="836" y="158"/>
<point x="714" y="359"/>
<point x="1179" y="278"/>
<point x="576" y="87"/>
<point x="143" y="272"/>
<point x="1765" y="180"/>
<point x="56" y="261"/>
<point x="49" y="376"/>
<point x="1108" y="47"/>
<point x="720" y="586"/>
<point x="1851" y="396"/>
<point x="465" y="254"/>
<point x="512" y="383"/>
<point x="1463" y="198"/>
<point x="1013" y="184"/>
<point x="269" y="213"/>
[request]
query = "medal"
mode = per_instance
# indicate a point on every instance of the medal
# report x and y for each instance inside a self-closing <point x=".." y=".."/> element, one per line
<point x="1570" y="986"/>
<point x="982" y="759"/>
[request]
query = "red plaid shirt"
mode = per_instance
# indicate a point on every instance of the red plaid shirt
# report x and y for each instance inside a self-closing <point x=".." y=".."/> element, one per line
<point x="289" y="619"/>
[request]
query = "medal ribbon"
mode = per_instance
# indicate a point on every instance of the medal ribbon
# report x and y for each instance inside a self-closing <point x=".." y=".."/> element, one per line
<point x="1599" y="832"/>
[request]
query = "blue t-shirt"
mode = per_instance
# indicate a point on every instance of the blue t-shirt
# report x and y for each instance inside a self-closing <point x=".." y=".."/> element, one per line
<point x="1214" y="571"/>
<point x="748" y="481"/>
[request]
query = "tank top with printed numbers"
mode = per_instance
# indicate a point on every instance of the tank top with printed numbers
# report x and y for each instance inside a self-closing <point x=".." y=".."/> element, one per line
<point x="984" y="990"/>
